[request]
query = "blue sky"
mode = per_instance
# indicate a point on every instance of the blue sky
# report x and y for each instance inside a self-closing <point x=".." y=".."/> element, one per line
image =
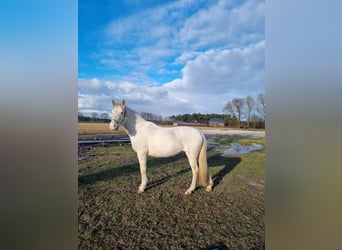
<point x="169" y="57"/>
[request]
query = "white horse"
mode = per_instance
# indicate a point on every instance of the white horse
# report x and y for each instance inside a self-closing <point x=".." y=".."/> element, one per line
<point x="149" y="139"/>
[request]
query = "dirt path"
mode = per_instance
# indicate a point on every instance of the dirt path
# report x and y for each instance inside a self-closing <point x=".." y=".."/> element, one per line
<point x="234" y="132"/>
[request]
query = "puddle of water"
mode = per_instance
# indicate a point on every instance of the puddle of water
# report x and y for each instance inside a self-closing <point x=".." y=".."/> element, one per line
<point x="236" y="148"/>
<point x="211" y="142"/>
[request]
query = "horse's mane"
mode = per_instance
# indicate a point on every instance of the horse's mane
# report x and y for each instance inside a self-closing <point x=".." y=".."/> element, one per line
<point x="134" y="112"/>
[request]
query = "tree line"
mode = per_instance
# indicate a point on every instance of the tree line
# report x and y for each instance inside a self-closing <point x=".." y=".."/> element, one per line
<point x="196" y="118"/>
<point x="94" y="117"/>
<point x="104" y="117"/>
<point x="239" y="112"/>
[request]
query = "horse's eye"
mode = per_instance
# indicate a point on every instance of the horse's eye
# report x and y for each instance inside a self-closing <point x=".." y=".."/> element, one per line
<point x="121" y="112"/>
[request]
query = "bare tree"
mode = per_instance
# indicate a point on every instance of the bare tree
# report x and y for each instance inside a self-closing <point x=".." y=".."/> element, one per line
<point x="231" y="119"/>
<point x="80" y="116"/>
<point x="257" y="121"/>
<point x="238" y="104"/>
<point x="250" y="106"/>
<point x="94" y="115"/>
<point x="229" y="109"/>
<point x="104" y="116"/>
<point x="261" y="105"/>
<point x="151" y="117"/>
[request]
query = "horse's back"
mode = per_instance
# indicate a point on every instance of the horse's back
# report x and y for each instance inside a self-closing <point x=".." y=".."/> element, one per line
<point x="188" y="133"/>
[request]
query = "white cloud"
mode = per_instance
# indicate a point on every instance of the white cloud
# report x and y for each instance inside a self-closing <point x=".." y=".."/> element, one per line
<point x="135" y="94"/>
<point x="91" y="85"/>
<point x="127" y="87"/>
<point x="150" y="39"/>
<point x="85" y="101"/>
<point x="207" y="83"/>
<point x="225" y="25"/>
<point x="220" y="71"/>
<point x="186" y="56"/>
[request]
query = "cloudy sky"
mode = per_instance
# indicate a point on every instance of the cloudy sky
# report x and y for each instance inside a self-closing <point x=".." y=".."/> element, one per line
<point x="169" y="57"/>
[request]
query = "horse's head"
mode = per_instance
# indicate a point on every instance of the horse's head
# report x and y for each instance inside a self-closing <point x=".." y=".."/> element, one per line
<point x="118" y="115"/>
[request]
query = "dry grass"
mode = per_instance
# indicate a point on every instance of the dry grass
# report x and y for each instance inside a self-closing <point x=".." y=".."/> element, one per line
<point x="96" y="128"/>
<point x="93" y="128"/>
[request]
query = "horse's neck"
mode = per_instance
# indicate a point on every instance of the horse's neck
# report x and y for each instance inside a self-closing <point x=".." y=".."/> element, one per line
<point x="134" y="121"/>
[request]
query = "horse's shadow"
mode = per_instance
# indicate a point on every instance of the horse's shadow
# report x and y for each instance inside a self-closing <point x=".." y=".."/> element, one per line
<point x="110" y="174"/>
<point x="215" y="160"/>
<point x="125" y="170"/>
<point x="229" y="164"/>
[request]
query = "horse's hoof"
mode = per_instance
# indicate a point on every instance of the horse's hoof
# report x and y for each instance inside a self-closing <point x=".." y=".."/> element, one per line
<point x="140" y="191"/>
<point x="188" y="192"/>
<point x="209" y="189"/>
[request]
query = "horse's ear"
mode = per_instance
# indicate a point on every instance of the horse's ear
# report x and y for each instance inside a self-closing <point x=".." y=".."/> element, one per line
<point x="123" y="103"/>
<point x="113" y="102"/>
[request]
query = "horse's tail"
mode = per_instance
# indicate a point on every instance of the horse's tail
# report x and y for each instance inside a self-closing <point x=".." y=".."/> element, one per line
<point x="203" y="167"/>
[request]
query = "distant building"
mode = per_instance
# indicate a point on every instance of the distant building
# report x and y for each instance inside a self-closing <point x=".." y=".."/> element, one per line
<point x="216" y="122"/>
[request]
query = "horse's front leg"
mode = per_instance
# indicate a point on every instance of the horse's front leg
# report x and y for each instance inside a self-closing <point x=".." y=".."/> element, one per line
<point x="142" y="162"/>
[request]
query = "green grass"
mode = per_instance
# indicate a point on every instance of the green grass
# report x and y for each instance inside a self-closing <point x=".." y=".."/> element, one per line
<point x="112" y="215"/>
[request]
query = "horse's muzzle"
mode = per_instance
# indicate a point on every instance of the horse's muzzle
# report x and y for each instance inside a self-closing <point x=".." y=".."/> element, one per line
<point x="116" y="125"/>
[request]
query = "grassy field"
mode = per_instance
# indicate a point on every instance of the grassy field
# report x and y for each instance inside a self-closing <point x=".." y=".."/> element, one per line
<point x="112" y="215"/>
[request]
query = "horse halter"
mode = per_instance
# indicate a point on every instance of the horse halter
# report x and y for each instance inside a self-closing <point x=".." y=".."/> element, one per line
<point x="121" y="119"/>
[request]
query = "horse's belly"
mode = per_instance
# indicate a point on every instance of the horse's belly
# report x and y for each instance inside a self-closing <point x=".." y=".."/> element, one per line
<point x="163" y="150"/>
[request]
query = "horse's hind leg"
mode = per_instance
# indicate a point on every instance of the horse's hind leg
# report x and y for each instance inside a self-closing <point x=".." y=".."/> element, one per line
<point x="142" y="162"/>
<point x="194" y="169"/>
<point x="209" y="188"/>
